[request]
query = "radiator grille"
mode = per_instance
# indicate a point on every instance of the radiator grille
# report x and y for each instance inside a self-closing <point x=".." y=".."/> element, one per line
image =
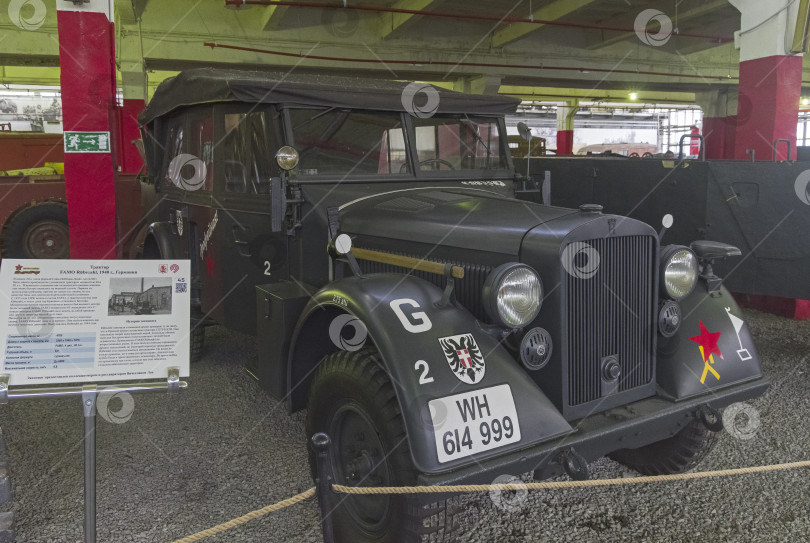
<point x="467" y="290"/>
<point x="611" y="314"/>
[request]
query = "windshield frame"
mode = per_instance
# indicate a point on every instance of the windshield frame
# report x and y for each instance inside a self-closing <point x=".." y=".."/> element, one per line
<point x="475" y="174"/>
<point x="414" y="174"/>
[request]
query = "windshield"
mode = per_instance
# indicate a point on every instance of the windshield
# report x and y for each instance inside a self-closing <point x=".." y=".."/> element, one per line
<point x="346" y="142"/>
<point x="446" y="143"/>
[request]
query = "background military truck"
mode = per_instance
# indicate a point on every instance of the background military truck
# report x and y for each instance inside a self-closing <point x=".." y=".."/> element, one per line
<point x="436" y="326"/>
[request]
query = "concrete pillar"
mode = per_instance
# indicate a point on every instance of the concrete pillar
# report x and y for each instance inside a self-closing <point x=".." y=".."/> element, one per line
<point x="719" y="121"/>
<point x="485" y="84"/>
<point x="770" y="78"/>
<point x="565" y="126"/>
<point x="87" y="61"/>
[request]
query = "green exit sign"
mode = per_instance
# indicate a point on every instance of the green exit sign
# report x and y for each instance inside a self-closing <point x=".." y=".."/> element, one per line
<point x="87" y="142"/>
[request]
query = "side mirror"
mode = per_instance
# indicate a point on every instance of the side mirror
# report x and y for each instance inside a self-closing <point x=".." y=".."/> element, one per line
<point x="524" y="131"/>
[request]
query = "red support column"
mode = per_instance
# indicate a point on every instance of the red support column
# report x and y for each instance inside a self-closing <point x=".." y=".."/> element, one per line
<point x="719" y="135"/>
<point x="87" y="62"/>
<point x="565" y="142"/>
<point x="565" y="127"/>
<point x="719" y="121"/>
<point x="773" y="86"/>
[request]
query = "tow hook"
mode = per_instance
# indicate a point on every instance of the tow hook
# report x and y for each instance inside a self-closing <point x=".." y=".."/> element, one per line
<point x="574" y="464"/>
<point x="711" y="418"/>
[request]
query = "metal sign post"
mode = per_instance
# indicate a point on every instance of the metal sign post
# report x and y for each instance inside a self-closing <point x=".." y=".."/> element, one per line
<point x="89" y="395"/>
<point x="89" y="405"/>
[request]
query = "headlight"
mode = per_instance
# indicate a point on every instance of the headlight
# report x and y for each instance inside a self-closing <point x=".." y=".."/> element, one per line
<point x="679" y="271"/>
<point x="287" y="158"/>
<point x="512" y="295"/>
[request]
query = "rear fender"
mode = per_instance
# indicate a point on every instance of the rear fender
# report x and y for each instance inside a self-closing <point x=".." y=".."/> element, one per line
<point x="404" y="320"/>
<point x="682" y="370"/>
<point x="169" y="244"/>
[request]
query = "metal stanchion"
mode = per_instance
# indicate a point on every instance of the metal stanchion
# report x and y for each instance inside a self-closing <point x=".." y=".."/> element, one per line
<point x="89" y="404"/>
<point x="323" y="484"/>
<point x="89" y="394"/>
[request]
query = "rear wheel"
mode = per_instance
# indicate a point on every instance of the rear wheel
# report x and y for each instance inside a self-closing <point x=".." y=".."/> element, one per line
<point x="40" y="231"/>
<point x="678" y="454"/>
<point x="353" y="401"/>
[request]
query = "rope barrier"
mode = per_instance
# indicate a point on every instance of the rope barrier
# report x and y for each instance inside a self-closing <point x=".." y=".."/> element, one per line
<point x="565" y="484"/>
<point x="250" y="516"/>
<point x="343" y="489"/>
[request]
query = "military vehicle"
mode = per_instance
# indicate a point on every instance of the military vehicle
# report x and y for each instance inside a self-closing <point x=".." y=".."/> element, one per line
<point x="439" y="327"/>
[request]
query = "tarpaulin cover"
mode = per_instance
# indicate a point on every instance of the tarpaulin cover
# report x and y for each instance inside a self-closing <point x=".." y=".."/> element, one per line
<point x="207" y="85"/>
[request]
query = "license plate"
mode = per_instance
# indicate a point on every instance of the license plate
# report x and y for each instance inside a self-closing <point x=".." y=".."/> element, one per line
<point x="474" y="422"/>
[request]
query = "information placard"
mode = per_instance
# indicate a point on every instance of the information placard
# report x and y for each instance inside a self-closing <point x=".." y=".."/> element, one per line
<point x="71" y="321"/>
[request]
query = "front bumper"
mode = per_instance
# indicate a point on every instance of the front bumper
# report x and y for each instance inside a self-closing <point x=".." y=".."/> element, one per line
<point x="629" y="426"/>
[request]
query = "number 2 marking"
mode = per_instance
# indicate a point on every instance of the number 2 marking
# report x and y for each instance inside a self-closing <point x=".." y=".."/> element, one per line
<point x="424" y="378"/>
<point x="267" y="267"/>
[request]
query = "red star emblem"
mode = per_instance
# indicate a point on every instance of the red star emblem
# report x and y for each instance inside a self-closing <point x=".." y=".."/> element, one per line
<point x="209" y="264"/>
<point x="18" y="267"/>
<point x="707" y="340"/>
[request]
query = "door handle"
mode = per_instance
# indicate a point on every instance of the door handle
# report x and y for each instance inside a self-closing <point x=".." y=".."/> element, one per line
<point x="238" y="241"/>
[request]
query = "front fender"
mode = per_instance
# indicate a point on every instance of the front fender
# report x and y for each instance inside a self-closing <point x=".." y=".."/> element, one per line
<point x="405" y="320"/>
<point x="682" y="370"/>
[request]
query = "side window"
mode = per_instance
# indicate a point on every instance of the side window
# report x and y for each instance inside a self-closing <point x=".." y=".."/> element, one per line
<point x="173" y="146"/>
<point x="247" y="153"/>
<point x="201" y="145"/>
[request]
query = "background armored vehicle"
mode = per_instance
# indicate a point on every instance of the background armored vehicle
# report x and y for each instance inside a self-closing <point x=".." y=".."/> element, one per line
<point x="437" y="327"/>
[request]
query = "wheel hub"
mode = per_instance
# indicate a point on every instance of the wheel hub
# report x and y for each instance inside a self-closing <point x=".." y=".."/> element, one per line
<point x="47" y="239"/>
<point x="358" y="459"/>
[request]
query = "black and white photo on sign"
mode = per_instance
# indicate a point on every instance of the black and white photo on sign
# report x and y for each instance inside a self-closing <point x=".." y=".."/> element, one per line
<point x="140" y="296"/>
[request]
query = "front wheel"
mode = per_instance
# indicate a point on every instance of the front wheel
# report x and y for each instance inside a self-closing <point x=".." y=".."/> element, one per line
<point x="678" y="454"/>
<point x="353" y="401"/>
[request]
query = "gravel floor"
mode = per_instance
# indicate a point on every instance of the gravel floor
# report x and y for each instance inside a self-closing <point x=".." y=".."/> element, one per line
<point x="223" y="448"/>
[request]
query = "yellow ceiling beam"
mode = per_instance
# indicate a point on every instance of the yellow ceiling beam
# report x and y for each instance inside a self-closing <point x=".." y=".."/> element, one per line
<point x="272" y="17"/>
<point x="554" y="94"/>
<point x="687" y="15"/>
<point x="400" y="21"/>
<point x="29" y="75"/>
<point x="555" y="10"/>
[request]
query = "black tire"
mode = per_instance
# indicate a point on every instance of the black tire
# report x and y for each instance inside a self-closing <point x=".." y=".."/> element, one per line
<point x="351" y="391"/>
<point x="196" y="341"/>
<point x="678" y="454"/>
<point x="40" y="231"/>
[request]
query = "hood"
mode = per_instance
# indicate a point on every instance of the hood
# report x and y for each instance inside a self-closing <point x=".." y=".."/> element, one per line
<point x="464" y="218"/>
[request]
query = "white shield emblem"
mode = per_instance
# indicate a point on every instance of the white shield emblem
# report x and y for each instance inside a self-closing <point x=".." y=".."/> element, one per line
<point x="464" y="357"/>
<point x="179" y="222"/>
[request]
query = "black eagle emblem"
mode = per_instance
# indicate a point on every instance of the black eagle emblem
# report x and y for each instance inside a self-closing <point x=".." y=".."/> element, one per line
<point x="464" y="357"/>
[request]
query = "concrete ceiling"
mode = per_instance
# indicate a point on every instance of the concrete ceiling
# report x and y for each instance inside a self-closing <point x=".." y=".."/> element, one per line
<point x="540" y="49"/>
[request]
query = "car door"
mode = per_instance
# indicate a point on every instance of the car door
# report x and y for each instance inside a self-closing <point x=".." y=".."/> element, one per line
<point x="186" y="180"/>
<point x="242" y="249"/>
